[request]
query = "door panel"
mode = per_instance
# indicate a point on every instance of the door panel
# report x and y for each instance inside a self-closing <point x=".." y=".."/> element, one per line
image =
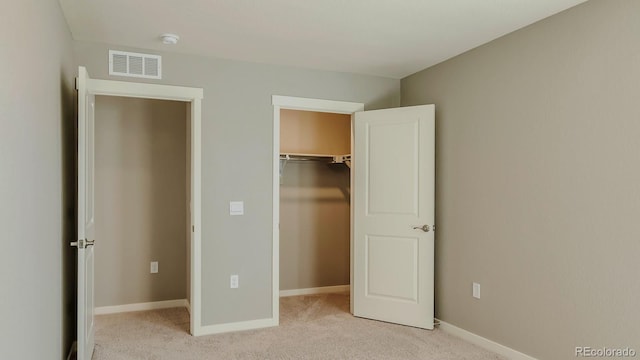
<point x="89" y="294"/>
<point x="385" y="154"/>
<point x="393" y="168"/>
<point x="388" y="273"/>
<point x="86" y="217"/>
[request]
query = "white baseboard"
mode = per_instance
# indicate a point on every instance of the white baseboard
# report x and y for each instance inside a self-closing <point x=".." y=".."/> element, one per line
<point x="103" y="310"/>
<point x="316" y="290"/>
<point x="483" y="342"/>
<point x="188" y="306"/>
<point x="236" y="326"/>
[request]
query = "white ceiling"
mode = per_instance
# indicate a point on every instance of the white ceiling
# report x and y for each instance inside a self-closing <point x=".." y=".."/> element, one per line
<point x="391" y="38"/>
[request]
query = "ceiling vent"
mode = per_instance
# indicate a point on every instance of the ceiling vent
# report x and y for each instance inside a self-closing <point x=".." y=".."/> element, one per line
<point x="130" y="64"/>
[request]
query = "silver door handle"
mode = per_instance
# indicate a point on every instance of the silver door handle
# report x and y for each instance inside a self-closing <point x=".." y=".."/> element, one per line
<point x="82" y="243"/>
<point x="424" y="228"/>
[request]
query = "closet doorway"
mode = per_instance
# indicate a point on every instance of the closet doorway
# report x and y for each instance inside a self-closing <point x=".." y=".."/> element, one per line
<point x="392" y="207"/>
<point x="315" y="189"/>
<point x="312" y="196"/>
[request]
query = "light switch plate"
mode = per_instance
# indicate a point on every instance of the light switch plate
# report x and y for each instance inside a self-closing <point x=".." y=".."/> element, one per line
<point x="236" y="208"/>
<point x="154" y="267"/>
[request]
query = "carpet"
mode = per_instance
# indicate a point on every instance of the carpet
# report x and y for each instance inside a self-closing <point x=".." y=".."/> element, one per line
<point x="311" y="327"/>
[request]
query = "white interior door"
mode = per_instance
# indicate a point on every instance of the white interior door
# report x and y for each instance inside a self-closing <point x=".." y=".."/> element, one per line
<point x="86" y="223"/>
<point x="394" y="215"/>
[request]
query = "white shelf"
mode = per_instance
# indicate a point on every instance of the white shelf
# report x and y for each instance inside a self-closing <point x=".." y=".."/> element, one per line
<point x="334" y="159"/>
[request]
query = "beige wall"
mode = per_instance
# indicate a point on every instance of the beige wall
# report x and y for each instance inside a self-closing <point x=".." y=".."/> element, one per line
<point x="537" y="182"/>
<point x="314" y="225"/>
<point x="314" y="201"/>
<point x="237" y="158"/>
<point x="37" y="183"/>
<point x="140" y="200"/>
<point x="312" y="132"/>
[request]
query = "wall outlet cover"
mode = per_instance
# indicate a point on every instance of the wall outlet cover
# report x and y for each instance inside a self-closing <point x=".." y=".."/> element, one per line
<point x="154" y="267"/>
<point x="476" y="290"/>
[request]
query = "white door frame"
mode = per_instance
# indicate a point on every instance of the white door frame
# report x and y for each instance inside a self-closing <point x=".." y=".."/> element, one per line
<point x="305" y="104"/>
<point x="194" y="97"/>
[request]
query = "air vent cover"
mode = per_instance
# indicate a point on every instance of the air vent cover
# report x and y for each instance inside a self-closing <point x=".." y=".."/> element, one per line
<point x="130" y="64"/>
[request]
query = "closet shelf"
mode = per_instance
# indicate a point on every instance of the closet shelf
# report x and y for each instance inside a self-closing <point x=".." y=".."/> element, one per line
<point x="331" y="159"/>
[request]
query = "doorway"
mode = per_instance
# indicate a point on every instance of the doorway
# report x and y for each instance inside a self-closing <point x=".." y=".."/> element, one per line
<point x="88" y="89"/>
<point x="141" y="201"/>
<point x="392" y="183"/>
<point x="315" y="188"/>
<point x="286" y="103"/>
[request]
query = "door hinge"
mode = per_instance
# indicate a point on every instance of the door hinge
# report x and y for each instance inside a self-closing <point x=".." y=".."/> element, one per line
<point x="193" y="228"/>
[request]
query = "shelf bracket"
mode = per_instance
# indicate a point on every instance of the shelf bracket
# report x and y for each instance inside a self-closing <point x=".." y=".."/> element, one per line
<point x="342" y="159"/>
<point x="283" y="163"/>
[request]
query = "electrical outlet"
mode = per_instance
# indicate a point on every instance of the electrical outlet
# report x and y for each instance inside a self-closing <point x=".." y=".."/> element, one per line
<point x="476" y="290"/>
<point x="154" y="267"/>
<point x="234" y="281"/>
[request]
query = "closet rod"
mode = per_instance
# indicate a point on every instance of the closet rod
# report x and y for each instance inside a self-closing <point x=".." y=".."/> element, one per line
<point x="329" y="159"/>
<point x="326" y="158"/>
<point x="305" y="157"/>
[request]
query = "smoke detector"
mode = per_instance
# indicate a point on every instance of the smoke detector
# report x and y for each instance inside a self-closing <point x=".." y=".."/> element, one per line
<point x="169" y="39"/>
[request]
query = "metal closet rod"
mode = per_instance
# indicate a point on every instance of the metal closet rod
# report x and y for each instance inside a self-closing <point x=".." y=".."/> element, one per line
<point x="328" y="159"/>
<point x="306" y="158"/>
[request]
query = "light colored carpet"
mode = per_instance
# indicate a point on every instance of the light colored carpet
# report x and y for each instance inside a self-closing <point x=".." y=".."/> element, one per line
<point x="311" y="327"/>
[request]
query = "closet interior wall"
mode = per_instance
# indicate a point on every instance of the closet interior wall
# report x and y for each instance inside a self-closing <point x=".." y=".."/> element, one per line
<point x="141" y="200"/>
<point x="314" y="201"/>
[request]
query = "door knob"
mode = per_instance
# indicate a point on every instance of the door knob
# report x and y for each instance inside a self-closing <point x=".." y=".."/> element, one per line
<point x="424" y="228"/>
<point x="82" y="243"/>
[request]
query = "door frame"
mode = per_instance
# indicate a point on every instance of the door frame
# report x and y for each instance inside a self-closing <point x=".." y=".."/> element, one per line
<point x="193" y="96"/>
<point x="304" y="104"/>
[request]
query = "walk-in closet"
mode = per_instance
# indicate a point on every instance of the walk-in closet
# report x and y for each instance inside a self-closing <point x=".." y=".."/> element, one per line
<point x="315" y="154"/>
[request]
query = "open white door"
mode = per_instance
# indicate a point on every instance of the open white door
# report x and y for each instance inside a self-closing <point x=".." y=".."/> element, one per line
<point x="394" y="215"/>
<point x="86" y="223"/>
